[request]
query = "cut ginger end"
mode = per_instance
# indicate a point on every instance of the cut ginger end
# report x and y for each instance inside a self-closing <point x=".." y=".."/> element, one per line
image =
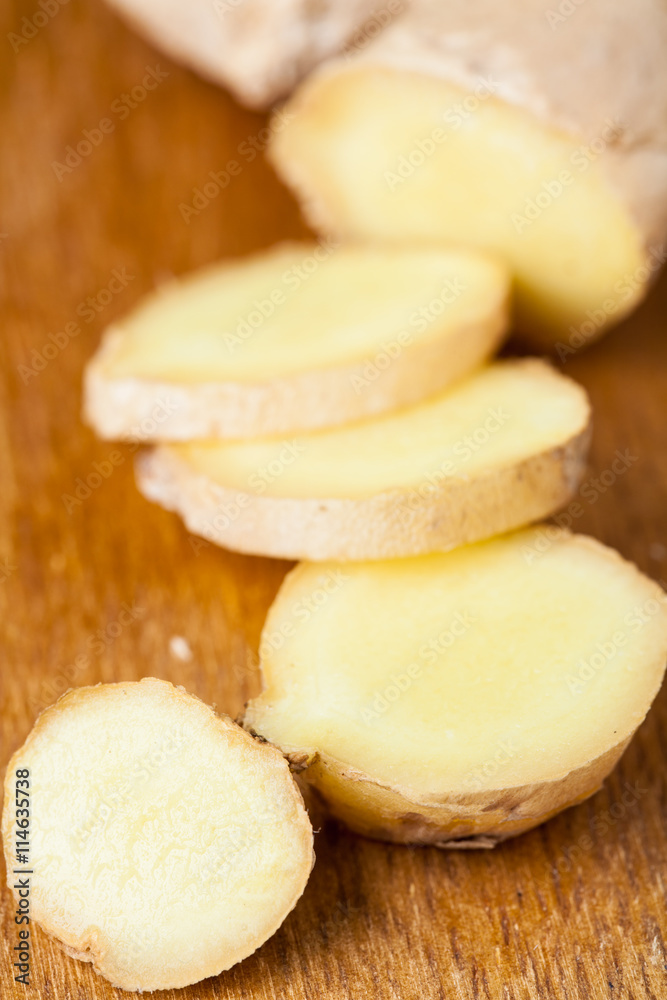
<point x="378" y="153"/>
<point x="167" y="844"/>
<point x="461" y="697"/>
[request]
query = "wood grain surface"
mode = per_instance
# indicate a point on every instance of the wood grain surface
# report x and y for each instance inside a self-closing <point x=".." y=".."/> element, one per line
<point x="576" y="908"/>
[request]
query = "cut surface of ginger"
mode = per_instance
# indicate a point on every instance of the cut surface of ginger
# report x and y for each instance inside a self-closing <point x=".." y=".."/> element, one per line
<point x="380" y="153"/>
<point x="517" y="667"/>
<point x="502" y="448"/>
<point x="167" y="844"/>
<point x="499" y="416"/>
<point x="300" y="335"/>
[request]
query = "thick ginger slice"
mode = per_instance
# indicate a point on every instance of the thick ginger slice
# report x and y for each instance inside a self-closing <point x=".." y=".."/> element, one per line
<point x="297" y="337"/>
<point x="166" y="844"/>
<point x="459" y="699"/>
<point x="499" y="449"/>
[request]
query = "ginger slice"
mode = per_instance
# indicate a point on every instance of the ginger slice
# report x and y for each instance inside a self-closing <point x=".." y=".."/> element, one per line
<point x="297" y="337"/>
<point x="500" y="449"/>
<point x="459" y="699"/>
<point x="166" y="844"/>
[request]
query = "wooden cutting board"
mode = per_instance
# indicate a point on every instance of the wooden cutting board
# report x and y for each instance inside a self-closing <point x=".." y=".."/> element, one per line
<point x="575" y="908"/>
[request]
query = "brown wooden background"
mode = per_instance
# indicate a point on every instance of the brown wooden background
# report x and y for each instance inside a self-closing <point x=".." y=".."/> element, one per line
<point x="551" y="914"/>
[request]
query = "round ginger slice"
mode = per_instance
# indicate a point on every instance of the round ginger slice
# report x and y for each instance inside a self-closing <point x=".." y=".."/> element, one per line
<point x="500" y="449"/>
<point x="166" y="844"/>
<point x="460" y="699"/>
<point x="298" y="337"/>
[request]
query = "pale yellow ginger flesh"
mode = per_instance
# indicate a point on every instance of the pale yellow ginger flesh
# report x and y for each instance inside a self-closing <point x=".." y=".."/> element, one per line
<point x="301" y="307"/>
<point x="166" y="844"/>
<point x="461" y="696"/>
<point x="298" y="336"/>
<point x="502" y="448"/>
<point x="499" y="416"/>
<point x="384" y="154"/>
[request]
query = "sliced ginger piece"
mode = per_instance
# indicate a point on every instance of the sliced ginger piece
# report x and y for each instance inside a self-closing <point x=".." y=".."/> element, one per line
<point x="298" y="337"/>
<point x="166" y="844"/>
<point x="500" y="449"/>
<point x="482" y="125"/>
<point x="459" y="699"/>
